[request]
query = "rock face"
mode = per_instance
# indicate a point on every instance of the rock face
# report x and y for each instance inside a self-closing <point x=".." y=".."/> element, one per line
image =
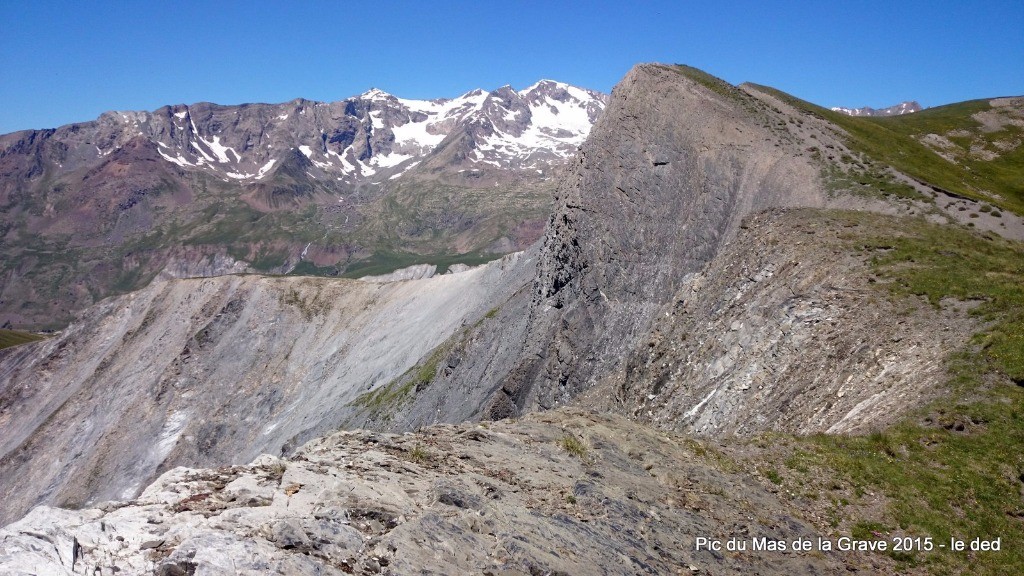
<point x="506" y="498"/>
<point x="215" y="371"/>
<point x="896" y="110"/>
<point x="664" y="180"/>
<point x="648" y="304"/>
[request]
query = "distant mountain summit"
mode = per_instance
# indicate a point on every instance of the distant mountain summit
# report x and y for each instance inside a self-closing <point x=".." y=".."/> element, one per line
<point x="896" y="110"/>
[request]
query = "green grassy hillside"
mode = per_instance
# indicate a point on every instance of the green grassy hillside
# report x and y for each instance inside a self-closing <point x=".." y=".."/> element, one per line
<point x="981" y="162"/>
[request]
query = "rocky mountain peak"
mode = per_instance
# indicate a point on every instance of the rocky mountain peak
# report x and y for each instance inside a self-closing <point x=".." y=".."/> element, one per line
<point x="375" y="94"/>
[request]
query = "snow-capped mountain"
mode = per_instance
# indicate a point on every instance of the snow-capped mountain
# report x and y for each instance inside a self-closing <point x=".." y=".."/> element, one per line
<point x="896" y="110"/>
<point x="205" y="189"/>
<point x="374" y="135"/>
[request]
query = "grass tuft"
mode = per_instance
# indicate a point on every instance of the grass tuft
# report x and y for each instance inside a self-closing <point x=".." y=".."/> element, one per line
<point x="573" y="445"/>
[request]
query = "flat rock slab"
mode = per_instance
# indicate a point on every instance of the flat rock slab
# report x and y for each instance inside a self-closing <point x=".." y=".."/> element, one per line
<point x="561" y="492"/>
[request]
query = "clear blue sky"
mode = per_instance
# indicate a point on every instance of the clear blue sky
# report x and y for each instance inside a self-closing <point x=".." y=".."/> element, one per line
<point x="63" y="62"/>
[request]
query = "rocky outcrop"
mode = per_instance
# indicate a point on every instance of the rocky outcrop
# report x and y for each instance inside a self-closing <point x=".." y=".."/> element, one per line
<point x="648" y="303"/>
<point x="193" y="263"/>
<point x="509" y="498"/>
<point x="414" y="272"/>
<point x="215" y="371"/>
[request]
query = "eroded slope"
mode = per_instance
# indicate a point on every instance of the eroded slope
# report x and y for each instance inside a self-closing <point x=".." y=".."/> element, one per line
<point x="214" y="371"/>
<point x="791" y="329"/>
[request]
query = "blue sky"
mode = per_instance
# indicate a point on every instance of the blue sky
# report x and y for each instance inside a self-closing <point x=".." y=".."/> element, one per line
<point x="70" y="61"/>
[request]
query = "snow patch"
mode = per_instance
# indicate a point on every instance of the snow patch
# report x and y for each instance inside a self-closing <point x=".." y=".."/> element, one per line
<point x="266" y="168"/>
<point x="220" y="150"/>
<point x="374" y="94"/>
<point x="389" y="160"/>
<point x="206" y="156"/>
<point x="375" y="118"/>
<point x="179" y="160"/>
<point x="406" y="169"/>
<point x="415" y="134"/>
<point x="346" y="166"/>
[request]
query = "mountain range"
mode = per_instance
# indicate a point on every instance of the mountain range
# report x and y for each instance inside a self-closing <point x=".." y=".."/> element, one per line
<point x="358" y="186"/>
<point x="895" y="110"/>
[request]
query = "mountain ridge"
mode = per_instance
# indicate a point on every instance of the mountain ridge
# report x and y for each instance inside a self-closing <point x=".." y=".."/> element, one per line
<point x="423" y="124"/>
<point x="908" y="107"/>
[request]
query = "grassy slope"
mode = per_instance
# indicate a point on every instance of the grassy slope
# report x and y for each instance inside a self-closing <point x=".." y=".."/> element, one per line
<point x="10" y="338"/>
<point x="891" y="140"/>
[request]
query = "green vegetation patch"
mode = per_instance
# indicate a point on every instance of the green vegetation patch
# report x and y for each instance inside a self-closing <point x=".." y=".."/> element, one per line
<point x="893" y="141"/>
<point x="869" y="181"/>
<point x="426" y="372"/>
<point x="384" y="401"/>
<point x="573" y="445"/>
<point x="308" y="306"/>
<point x="713" y="83"/>
<point x="307" y="268"/>
<point x="940" y="262"/>
<point x="10" y="338"/>
<point x="387" y="262"/>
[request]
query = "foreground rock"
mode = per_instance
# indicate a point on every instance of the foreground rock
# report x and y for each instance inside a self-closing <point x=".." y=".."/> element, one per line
<point x="504" y="499"/>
